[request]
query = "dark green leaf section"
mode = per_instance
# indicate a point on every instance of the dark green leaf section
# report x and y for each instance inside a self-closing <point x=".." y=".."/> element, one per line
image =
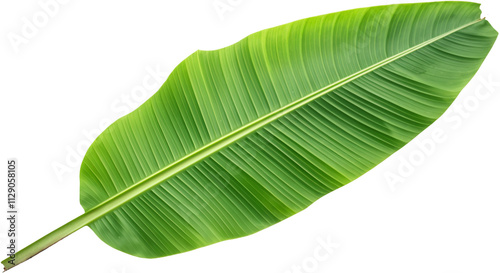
<point x="281" y="167"/>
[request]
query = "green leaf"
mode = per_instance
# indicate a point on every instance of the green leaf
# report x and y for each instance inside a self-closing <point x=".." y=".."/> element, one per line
<point x="240" y="138"/>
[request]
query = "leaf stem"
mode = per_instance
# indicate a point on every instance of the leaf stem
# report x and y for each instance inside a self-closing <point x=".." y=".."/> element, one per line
<point x="45" y="242"/>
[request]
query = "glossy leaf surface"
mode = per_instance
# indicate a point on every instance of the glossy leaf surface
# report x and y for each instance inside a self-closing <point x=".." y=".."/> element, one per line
<point x="240" y="138"/>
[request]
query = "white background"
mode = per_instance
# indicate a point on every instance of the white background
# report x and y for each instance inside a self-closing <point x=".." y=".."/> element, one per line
<point x="89" y="60"/>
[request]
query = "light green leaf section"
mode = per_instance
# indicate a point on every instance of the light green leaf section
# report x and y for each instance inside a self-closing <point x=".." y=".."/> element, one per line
<point x="281" y="165"/>
<point x="240" y="138"/>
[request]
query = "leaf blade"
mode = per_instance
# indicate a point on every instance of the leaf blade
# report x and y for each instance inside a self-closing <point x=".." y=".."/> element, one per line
<point x="207" y="164"/>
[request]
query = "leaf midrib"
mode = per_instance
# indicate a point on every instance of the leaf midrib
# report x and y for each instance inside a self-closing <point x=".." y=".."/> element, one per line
<point x="200" y="154"/>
